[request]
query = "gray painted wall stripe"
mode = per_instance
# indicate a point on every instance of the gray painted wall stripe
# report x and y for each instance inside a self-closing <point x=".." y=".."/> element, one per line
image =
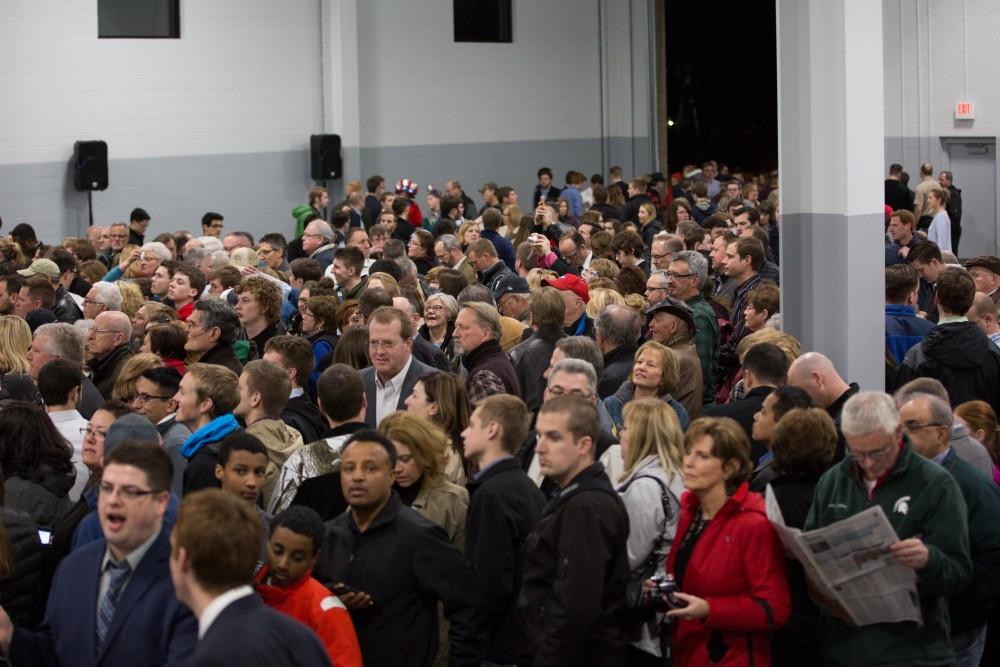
<point x="256" y="191"/>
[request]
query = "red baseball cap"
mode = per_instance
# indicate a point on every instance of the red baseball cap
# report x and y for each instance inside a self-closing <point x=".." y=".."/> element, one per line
<point x="570" y="283"/>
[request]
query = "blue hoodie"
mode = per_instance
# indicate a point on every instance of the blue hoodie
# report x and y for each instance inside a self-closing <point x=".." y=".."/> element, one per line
<point x="213" y="431"/>
<point x="903" y="329"/>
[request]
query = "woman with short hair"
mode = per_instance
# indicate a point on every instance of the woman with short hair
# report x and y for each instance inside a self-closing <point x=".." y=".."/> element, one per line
<point x="727" y="561"/>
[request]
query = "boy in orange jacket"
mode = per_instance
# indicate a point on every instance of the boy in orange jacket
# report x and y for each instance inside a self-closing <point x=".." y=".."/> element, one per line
<point x="286" y="584"/>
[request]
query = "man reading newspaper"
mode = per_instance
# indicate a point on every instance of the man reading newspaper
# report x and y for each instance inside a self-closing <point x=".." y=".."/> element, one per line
<point x="924" y="505"/>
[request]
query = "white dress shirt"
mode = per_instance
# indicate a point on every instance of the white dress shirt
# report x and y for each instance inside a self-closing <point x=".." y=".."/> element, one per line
<point x="387" y="394"/>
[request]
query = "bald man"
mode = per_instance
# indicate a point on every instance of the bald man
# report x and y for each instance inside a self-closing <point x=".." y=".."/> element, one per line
<point x="108" y="349"/>
<point x="815" y="374"/>
<point x="984" y="314"/>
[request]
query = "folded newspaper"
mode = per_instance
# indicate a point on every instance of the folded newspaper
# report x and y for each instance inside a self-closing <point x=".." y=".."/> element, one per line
<point x="851" y="571"/>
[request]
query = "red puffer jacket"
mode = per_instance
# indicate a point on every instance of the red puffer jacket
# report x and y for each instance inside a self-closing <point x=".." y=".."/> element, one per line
<point x="738" y="567"/>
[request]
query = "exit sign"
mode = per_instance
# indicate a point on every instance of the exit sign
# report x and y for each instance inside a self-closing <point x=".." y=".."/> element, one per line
<point x="964" y="111"/>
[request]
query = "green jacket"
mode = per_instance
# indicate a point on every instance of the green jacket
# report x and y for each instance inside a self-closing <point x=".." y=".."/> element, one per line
<point x="920" y="499"/>
<point x="706" y="340"/>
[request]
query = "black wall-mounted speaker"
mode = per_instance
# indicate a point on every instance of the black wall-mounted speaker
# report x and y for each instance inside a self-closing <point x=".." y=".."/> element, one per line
<point x="90" y="165"/>
<point x="325" y="153"/>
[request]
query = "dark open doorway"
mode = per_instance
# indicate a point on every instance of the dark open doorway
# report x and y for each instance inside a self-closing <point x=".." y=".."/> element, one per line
<point x="722" y="97"/>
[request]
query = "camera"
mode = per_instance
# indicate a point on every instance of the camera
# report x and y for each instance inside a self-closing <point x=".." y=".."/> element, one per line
<point x="662" y="594"/>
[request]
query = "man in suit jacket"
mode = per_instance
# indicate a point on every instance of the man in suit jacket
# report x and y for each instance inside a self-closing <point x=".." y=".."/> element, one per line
<point x="112" y="601"/>
<point x="764" y="368"/>
<point x="216" y="543"/>
<point x="394" y="371"/>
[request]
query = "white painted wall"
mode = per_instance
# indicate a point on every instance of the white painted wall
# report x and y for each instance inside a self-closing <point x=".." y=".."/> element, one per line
<point x="926" y="45"/>
<point x="419" y="87"/>
<point x="243" y="78"/>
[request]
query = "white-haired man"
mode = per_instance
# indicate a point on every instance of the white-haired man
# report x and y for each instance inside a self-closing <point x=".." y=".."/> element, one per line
<point x="924" y="504"/>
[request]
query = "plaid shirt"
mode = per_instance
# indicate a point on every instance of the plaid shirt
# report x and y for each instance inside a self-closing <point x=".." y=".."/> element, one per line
<point x="706" y="341"/>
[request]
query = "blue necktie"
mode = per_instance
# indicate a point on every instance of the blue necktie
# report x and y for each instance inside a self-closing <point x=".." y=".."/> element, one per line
<point x="118" y="573"/>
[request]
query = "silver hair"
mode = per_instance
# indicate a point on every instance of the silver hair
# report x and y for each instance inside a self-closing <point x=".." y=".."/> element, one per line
<point x="576" y="367"/>
<point x="487" y="316"/>
<point x="322" y="228"/>
<point x="65" y="341"/>
<point x="109" y="295"/>
<point x="195" y="255"/>
<point x="449" y="303"/>
<point x="697" y="264"/>
<point x="869" y="412"/>
<point x="220" y="258"/>
<point x="210" y="243"/>
<point x="450" y="242"/>
<point x="158" y="249"/>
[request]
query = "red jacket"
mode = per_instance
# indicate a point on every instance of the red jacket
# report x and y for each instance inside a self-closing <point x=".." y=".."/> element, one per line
<point x="738" y="567"/>
<point x="313" y="605"/>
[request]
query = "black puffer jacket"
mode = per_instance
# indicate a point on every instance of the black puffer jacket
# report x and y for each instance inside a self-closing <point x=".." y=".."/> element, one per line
<point x="21" y="593"/>
<point x="45" y="497"/>
<point x="962" y="357"/>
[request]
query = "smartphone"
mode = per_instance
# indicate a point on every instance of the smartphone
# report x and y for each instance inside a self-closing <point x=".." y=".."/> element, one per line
<point x="341" y="589"/>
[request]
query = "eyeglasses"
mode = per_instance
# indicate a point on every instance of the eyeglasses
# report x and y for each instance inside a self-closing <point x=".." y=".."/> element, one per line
<point x="673" y="275"/>
<point x="655" y="257"/>
<point x="561" y="391"/>
<point x="434" y="308"/>
<point x="910" y="427"/>
<point x="87" y="430"/>
<point x="146" y="398"/>
<point x="876" y="455"/>
<point x="384" y="344"/>
<point x="100" y="331"/>
<point x="126" y="493"/>
<point x="91" y="302"/>
<point x="315" y="236"/>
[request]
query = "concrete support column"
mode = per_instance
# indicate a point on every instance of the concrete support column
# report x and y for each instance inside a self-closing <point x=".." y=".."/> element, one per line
<point x="831" y="145"/>
<point x="341" y="83"/>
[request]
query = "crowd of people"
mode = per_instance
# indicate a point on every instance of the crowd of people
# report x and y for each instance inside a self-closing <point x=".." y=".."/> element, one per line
<point x="441" y="430"/>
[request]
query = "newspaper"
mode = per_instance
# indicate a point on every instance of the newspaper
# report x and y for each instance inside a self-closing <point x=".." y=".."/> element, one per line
<point x="851" y="571"/>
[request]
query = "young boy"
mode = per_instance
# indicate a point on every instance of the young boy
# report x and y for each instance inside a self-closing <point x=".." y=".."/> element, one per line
<point x="241" y="468"/>
<point x="286" y="584"/>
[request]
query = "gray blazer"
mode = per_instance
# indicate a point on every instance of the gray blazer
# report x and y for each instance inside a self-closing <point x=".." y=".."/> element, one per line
<point x="417" y="371"/>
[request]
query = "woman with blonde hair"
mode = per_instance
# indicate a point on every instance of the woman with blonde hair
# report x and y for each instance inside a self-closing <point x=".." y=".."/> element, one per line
<point x="536" y="276"/>
<point x="124" y="389"/>
<point x="132" y="298"/>
<point x="15" y="339"/>
<point x="652" y="449"/>
<point x="421" y="448"/>
<point x="384" y="281"/>
<point x="512" y="216"/>
<point x="601" y="298"/>
<point x="655" y="374"/>
<point x="468" y="233"/>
